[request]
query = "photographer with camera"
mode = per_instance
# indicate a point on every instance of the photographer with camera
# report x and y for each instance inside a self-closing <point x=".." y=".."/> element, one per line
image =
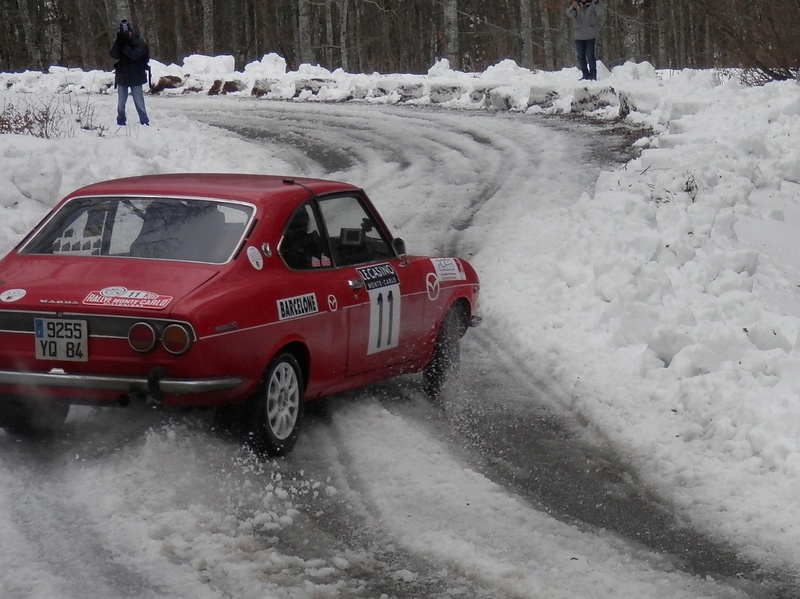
<point x="586" y="16"/>
<point x="132" y="56"/>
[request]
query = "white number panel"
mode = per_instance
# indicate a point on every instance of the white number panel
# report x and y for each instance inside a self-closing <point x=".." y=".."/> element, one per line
<point x="383" y="286"/>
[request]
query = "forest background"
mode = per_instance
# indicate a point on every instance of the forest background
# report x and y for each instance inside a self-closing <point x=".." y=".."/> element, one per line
<point x="365" y="36"/>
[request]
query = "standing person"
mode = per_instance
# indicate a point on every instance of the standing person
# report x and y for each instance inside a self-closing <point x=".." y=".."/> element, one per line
<point x="586" y="15"/>
<point x="132" y="56"/>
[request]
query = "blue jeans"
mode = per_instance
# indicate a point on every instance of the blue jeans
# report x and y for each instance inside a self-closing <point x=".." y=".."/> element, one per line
<point x="138" y="102"/>
<point x="586" y="58"/>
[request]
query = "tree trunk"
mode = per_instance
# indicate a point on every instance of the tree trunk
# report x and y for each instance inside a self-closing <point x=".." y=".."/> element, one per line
<point x="329" y="43"/>
<point x="146" y="24"/>
<point x="208" y="27"/>
<point x="344" y="27"/>
<point x="31" y="38"/>
<point x="181" y="47"/>
<point x="357" y="37"/>
<point x="526" y="32"/>
<point x="304" y="32"/>
<point x="84" y="16"/>
<point x="547" y="37"/>
<point x="451" y="48"/>
<point x="662" y="33"/>
<point x="123" y="10"/>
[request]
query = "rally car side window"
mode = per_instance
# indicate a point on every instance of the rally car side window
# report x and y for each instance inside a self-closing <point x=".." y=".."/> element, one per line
<point x="302" y="246"/>
<point x="354" y="236"/>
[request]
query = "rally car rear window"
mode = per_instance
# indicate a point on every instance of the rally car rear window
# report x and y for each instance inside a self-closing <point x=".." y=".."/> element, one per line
<point x="156" y="228"/>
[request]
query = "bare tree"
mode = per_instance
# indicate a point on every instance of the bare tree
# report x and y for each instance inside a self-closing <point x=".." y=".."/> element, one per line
<point x="32" y="34"/>
<point x="122" y="10"/>
<point x="547" y="41"/>
<point x="304" y="33"/>
<point x="662" y="30"/>
<point x="526" y="33"/>
<point x="329" y="43"/>
<point x="407" y="35"/>
<point x="451" y="46"/>
<point x="208" y="27"/>
<point x="344" y="29"/>
<point x="181" y="47"/>
<point x="758" y="35"/>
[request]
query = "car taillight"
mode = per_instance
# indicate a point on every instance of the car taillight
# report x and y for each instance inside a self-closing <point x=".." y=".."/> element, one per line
<point x="142" y="337"/>
<point x="176" y="339"/>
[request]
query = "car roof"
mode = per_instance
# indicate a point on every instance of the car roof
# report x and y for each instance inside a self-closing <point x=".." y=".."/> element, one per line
<point x="223" y="186"/>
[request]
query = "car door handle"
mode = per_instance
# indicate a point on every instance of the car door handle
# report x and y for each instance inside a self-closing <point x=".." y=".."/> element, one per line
<point x="355" y="284"/>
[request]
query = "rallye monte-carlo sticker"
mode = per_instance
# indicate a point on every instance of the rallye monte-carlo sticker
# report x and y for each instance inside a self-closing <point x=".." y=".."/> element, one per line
<point x="121" y="297"/>
<point x="383" y="286"/>
<point x="12" y="295"/>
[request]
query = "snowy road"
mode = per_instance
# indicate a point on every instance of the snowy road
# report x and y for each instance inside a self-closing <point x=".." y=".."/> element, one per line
<point x="500" y="495"/>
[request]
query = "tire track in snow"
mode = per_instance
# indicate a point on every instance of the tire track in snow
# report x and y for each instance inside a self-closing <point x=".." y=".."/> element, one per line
<point x="435" y="505"/>
<point x="416" y="163"/>
<point x="465" y="165"/>
<point x="57" y="527"/>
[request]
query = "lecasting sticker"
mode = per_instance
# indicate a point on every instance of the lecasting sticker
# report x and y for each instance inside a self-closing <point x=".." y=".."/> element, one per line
<point x="449" y="269"/>
<point x="383" y="286"/>
<point x="121" y="297"/>
<point x="12" y="295"/>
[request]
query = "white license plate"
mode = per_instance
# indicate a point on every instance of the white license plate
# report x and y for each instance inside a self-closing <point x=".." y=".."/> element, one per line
<point x="58" y="339"/>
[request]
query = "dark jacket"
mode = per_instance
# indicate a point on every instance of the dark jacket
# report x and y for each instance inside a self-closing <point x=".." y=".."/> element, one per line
<point x="132" y="57"/>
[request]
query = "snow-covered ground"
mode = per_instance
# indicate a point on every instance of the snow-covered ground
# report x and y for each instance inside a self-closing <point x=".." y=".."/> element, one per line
<point x="662" y="307"/>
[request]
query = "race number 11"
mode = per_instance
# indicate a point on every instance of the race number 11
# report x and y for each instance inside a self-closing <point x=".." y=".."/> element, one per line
<point x="384" y="318"/>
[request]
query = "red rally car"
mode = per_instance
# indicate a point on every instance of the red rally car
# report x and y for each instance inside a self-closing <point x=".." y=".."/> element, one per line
<point x="247" y="293"/>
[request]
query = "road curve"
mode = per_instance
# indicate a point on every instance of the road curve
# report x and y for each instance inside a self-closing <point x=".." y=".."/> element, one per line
<point x="495" y="496"/>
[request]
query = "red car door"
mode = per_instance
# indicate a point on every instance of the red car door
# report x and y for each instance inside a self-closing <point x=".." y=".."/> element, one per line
<point x="384" y="295"/>
<point x="315" y="313"/>
<point x="386" y="321"/>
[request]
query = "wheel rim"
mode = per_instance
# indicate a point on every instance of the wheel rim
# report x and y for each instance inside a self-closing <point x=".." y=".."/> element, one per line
<point x="283" y="401"/>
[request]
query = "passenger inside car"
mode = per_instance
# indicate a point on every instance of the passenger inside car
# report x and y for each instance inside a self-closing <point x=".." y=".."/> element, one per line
<point x="201" y="233"/>
<point x="302" y="248"/>
<point x="158" y="238"/>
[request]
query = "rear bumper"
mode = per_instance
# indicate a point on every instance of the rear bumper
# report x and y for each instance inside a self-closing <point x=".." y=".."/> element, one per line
<point x="155" y="384"/>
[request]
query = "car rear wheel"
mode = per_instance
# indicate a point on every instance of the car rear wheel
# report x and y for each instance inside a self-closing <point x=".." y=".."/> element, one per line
<point x="32" y="416"/>
<point x="446" y="358"/>
<point x="278" y="407"/>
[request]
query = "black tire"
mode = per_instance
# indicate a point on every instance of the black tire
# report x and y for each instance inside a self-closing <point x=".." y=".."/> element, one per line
<point x="446" y="358"/>
<point x="32" y="416"/>
<point x="277" y="409"/>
